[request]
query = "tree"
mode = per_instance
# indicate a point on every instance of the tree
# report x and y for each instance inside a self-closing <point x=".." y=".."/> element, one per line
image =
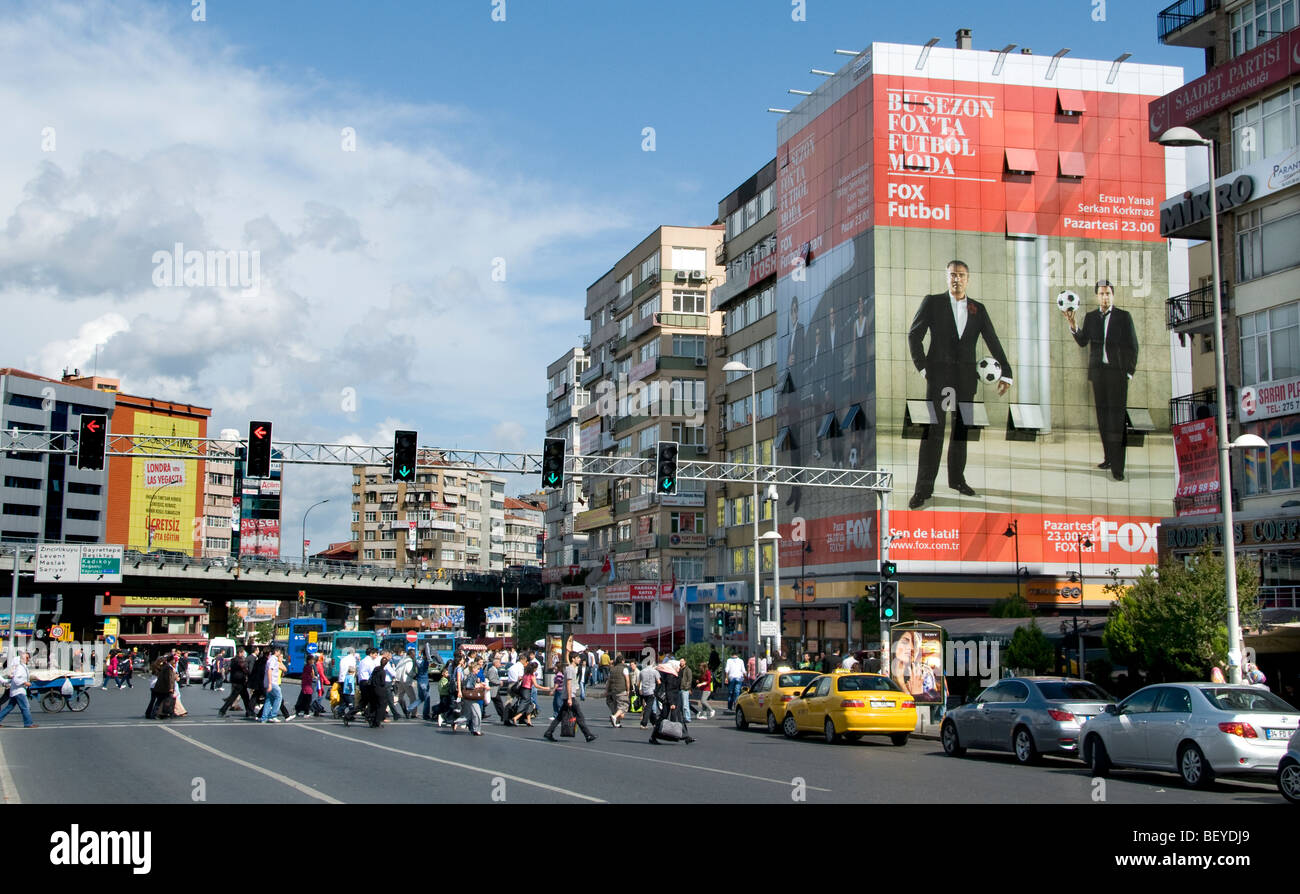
<point x="532" y="622"/>
<point x="1014" y="606"/>
<point x="1030" y="648"/>
<point x="234" y="624"/>
<point x="264" y="631"/>
<point x="1173" y="621"/>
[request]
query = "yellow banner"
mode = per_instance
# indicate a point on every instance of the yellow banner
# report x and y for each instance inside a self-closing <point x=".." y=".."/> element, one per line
<point x="156" y="600"/>
<point x="162" y="491"/>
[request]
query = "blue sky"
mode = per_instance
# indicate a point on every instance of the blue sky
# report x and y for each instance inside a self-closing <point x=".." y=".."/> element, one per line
<point x="475" y="140"/>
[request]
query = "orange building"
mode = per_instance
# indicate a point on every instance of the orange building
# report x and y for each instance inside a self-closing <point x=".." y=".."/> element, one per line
<point x="157" y="503"/>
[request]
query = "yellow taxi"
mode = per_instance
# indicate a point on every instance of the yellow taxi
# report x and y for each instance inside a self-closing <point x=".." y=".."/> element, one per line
<point x="766" y="700"/>
<point x="851" y="705"/>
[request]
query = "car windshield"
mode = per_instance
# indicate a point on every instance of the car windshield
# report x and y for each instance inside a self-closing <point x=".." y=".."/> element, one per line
<point x="1066" y="690"/>
<point x="796" y="681"/>
<point x="1245" y="701"/>
<point x="868" y="684"/>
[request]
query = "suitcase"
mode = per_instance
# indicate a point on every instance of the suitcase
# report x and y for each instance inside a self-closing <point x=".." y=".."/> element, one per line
<point x="670" y="730"/>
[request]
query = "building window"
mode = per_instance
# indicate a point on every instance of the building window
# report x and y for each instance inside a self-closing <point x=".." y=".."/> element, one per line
<point x="83" y="515"/>
<point x="373" y="516"/>
<point x="686" y="523"/>
<point x="391" y="515"/>
<point x="624" y="531"/>
<point x="388" y="554"/>
<point x="370" y="554"/>
<point x="1270" y="344"/>
<point x="1259" y="21"/>
<point x="217" y="543"/>
<point x="766" y="199"/>
<point x="370" y="535"/>
<point x="650" y="350"/>
<point x="742" y="559"/>
<point x="1266" y="127"/>
<point x="1268" y="240"/>
<point x="625" y="285"/>
<point x="27" y="483"/>
<point x="356" y="517"/>
<point x="648" y="438"/>
<point x="690" y="302"/>
<point x="650" y="266"/>
<point x="76" y="487"/>
<point x="642" y="613"/>
<point x="21" y="509"/>
<point x="646" y="309"/>
<point x="689" y="346"/>
<point x="688" y="435"/>
<point x="690" y="259"/>
<point x="1276" y="468"/>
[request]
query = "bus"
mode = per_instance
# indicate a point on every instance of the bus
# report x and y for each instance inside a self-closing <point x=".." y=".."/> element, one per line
<point x="294" y="636"/>
<point x="335" y="644"/>
<point x="440" y="644"/>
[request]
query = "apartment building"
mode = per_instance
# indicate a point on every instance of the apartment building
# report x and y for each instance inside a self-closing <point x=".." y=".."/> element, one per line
<point x="565" y="399"/>
<point x="1248" y="102"/>
<point x="523" y="533"/>
<point x="653" y="331"/>
<point x="449" y="518"/>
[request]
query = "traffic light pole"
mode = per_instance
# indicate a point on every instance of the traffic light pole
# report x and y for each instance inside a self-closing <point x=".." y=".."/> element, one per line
<point x="886" y="650"/>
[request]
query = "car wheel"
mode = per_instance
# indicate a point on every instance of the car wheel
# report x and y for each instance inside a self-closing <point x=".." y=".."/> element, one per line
<point x="741" y="722"/>
<point x="789" y="727"/>
<point x="772" y="725"/>
<point x="828" y="729"/>
<point x="1288" y="781"/>
<point x="899" y="739"/>
<point x="951" y="743"/>
<point x="1193" y="767"/>
<point x="1097" y="757"/>
<point x="1022" y="745"/>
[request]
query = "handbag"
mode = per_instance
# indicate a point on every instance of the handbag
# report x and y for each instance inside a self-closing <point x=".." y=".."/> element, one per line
<point x="670" y="729"/>
<point x="568" y="722"/>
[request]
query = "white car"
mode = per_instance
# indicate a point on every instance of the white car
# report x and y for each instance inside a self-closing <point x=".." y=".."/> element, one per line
<point x="1288" y="772"/>
<point x="194" y="670"/>
<point x="1198" y="730"/>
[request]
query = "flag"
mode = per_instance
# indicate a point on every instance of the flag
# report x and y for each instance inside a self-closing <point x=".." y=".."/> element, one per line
<point x="681" y="596"/>
<point x="609" y="568"/>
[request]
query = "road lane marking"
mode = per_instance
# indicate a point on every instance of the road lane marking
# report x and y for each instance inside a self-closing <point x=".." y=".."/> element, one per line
<point x="472" y="768"/>
<point x="7" y="786"/>
<point x="293" y="784"/>
<point x="637" y="757"/>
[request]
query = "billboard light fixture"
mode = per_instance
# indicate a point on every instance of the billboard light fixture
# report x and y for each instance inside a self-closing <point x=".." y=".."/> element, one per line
<point x="799" y="92"/>
<point x="1056" y="59"/>
<point x="848" y="52"/>
<point x="780" y="111"/>
<point x="1114" y="67"/>
<point x="818" y="71"/>
<point x="1002" y="57"/>
<point x="925" y="53"/>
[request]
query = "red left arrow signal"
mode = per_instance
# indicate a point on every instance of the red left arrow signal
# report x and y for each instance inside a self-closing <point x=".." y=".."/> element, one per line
<point x="92" y="426"/>
<point x="259" y="432"/>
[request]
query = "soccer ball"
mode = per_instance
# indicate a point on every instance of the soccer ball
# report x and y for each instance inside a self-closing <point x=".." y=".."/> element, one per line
<point x="1067" y="301"/>
<point x="989" y="370"/>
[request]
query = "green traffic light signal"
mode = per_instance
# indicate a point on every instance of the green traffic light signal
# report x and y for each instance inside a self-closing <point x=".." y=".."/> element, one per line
<point x="666" y="468"/>
<point x="553" y="463"/>
<point x="404" y="449"/>
<point x="888" y="569"/>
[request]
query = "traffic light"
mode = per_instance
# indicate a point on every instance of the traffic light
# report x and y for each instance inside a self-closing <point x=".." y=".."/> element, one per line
<point x="90" y="441"/>
<point x="888" y="569"/>
<point x="889" y="601"/>
<point x="553" y="463"/>
<point x="404" y="456"/>
<point x="258" y="463"/>
<point x="720" y="624"/>
<point x="666" y="473"/>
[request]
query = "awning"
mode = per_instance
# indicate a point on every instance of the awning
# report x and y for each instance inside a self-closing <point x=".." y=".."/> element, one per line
<point x="626" y="641"/>
<point x="829" y="427"/>
<point x="162" y="638"/>
<point x="786" y="384"/>
<point x="854" y="419"/>
<point x="1021" y="161"/>
<point x="1071" y="164"/>
<point x="1070" y="102"/>
<point x="784" y="440"/>
<point x="666" y="637"/>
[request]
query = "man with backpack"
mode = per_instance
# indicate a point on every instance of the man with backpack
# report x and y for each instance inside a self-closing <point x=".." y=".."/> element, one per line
<point x="238" y="684"/>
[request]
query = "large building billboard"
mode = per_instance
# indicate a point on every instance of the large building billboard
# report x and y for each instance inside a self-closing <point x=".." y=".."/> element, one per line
<point x="991" y="404"/>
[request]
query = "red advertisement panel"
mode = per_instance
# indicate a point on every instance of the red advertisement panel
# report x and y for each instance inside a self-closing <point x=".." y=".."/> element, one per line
<point x="1196" y="446"/>
<point x="259" y="537"/>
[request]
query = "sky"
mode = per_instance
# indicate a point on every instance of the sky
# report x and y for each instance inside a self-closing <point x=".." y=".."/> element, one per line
<point x="419" y="193"/>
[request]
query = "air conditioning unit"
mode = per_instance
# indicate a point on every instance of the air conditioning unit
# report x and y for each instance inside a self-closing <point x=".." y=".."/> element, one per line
<point x="701" y="450"/>
<point x="680" y="276"/>
<point x="697" y="276"/>
<point x="701" y="361"/>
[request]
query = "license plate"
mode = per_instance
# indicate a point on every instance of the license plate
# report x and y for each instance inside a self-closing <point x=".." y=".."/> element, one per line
<point x="1278" y="733"/>
<point x="880" y="703"/>
<point x="1082" y="718"/>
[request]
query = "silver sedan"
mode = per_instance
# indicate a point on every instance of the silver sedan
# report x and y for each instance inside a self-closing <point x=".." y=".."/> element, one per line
<point x="1027" y="716"/>
<point x="1198" y="730"/>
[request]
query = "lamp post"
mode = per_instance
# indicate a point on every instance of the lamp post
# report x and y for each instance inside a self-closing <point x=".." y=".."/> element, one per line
<point x="1184" y="137"/>
<point x="737" y="367"/>
<point x="304" y="529"/>
<point x="775" y="536"/>
<point x="1013" y="531"/>
<point x="803" y="598"/>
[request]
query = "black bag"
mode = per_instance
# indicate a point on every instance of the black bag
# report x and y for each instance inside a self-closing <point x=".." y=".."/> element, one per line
<point x="670" y="730"/>
<point x="568" y="723"/>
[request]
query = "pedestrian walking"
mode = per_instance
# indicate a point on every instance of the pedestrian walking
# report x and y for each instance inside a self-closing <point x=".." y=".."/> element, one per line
<point x="179" y="709"/>
<point x="686" y="680"/>
<point x="617" y="687"/>
<point x="471" y="696"/>
<point x="274" y="697"/>
<point x="239" y="671"/>
<point x="380" y="692"/>
<point x="669" y="695"/>
<point x="110" y="671"/>
<point x="19" y="682"/>
<point x="163" y="689"/>
<point x="528" y="685"/>
<point x="492" y="676"/>
<point x="151" y="711"/>
<point x="649" y="685"/>
<point x="125" y="669"/>
<point x="182" y="669"/>
<point x="318" y="706"/>
<point x="735" y="679"/>
<point x="572" y="705"/>
<point x="704" y="688"/>
<point x="440" y="682"/>
<point x="422" y="686"/>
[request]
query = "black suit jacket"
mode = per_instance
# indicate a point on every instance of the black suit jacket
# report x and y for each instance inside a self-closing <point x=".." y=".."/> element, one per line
<point x="1120" y="339"/>
<point x="949" y="360"/>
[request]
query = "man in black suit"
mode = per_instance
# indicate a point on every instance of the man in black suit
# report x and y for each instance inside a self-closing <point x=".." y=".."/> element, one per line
<point x="954" y="322"/>
<point x="1111" y="339"/>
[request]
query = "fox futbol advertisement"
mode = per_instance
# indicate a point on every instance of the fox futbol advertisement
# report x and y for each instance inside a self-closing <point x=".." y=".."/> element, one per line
<point x="971" y="290"/>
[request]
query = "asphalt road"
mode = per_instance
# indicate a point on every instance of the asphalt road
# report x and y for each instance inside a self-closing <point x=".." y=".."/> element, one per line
<point x="110" y="754"/>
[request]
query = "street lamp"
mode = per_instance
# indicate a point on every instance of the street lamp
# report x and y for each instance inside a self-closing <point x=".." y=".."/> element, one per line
<point x="774" y="538"/>
<point x="737" y="367"/>
<point x="1013" y="531"/>
<point x="304" y="530"/>
<point x="803" y="598"/>
<point x="1184" y="137"/>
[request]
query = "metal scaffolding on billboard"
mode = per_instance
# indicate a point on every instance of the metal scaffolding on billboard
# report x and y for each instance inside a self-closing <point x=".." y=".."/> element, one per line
<point x="304" y="453"/>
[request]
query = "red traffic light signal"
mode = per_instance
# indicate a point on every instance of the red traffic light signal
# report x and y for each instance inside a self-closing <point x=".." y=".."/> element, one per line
<point x="257" y="464"/>
<point x="92" y="436"/>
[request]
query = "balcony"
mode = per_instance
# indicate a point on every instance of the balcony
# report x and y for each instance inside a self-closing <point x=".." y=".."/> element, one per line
<point x="1187" y="23"/>
<point x="1200" y="405"/>
<point x="592" y="375"/>
<point x="683" y="321"/>
<point x="1193" y="311"/>
<point x="1287" y="596"/>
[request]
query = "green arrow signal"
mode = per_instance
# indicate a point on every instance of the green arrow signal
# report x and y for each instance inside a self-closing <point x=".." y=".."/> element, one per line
<point x="403" y="471"/>
<point x="668" y="483"/>
<point x="551" y="477"/>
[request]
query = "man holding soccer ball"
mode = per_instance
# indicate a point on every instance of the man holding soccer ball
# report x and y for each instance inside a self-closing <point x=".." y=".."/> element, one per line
<point x="1111" y="339"/>
<point x="954" y="322"/>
